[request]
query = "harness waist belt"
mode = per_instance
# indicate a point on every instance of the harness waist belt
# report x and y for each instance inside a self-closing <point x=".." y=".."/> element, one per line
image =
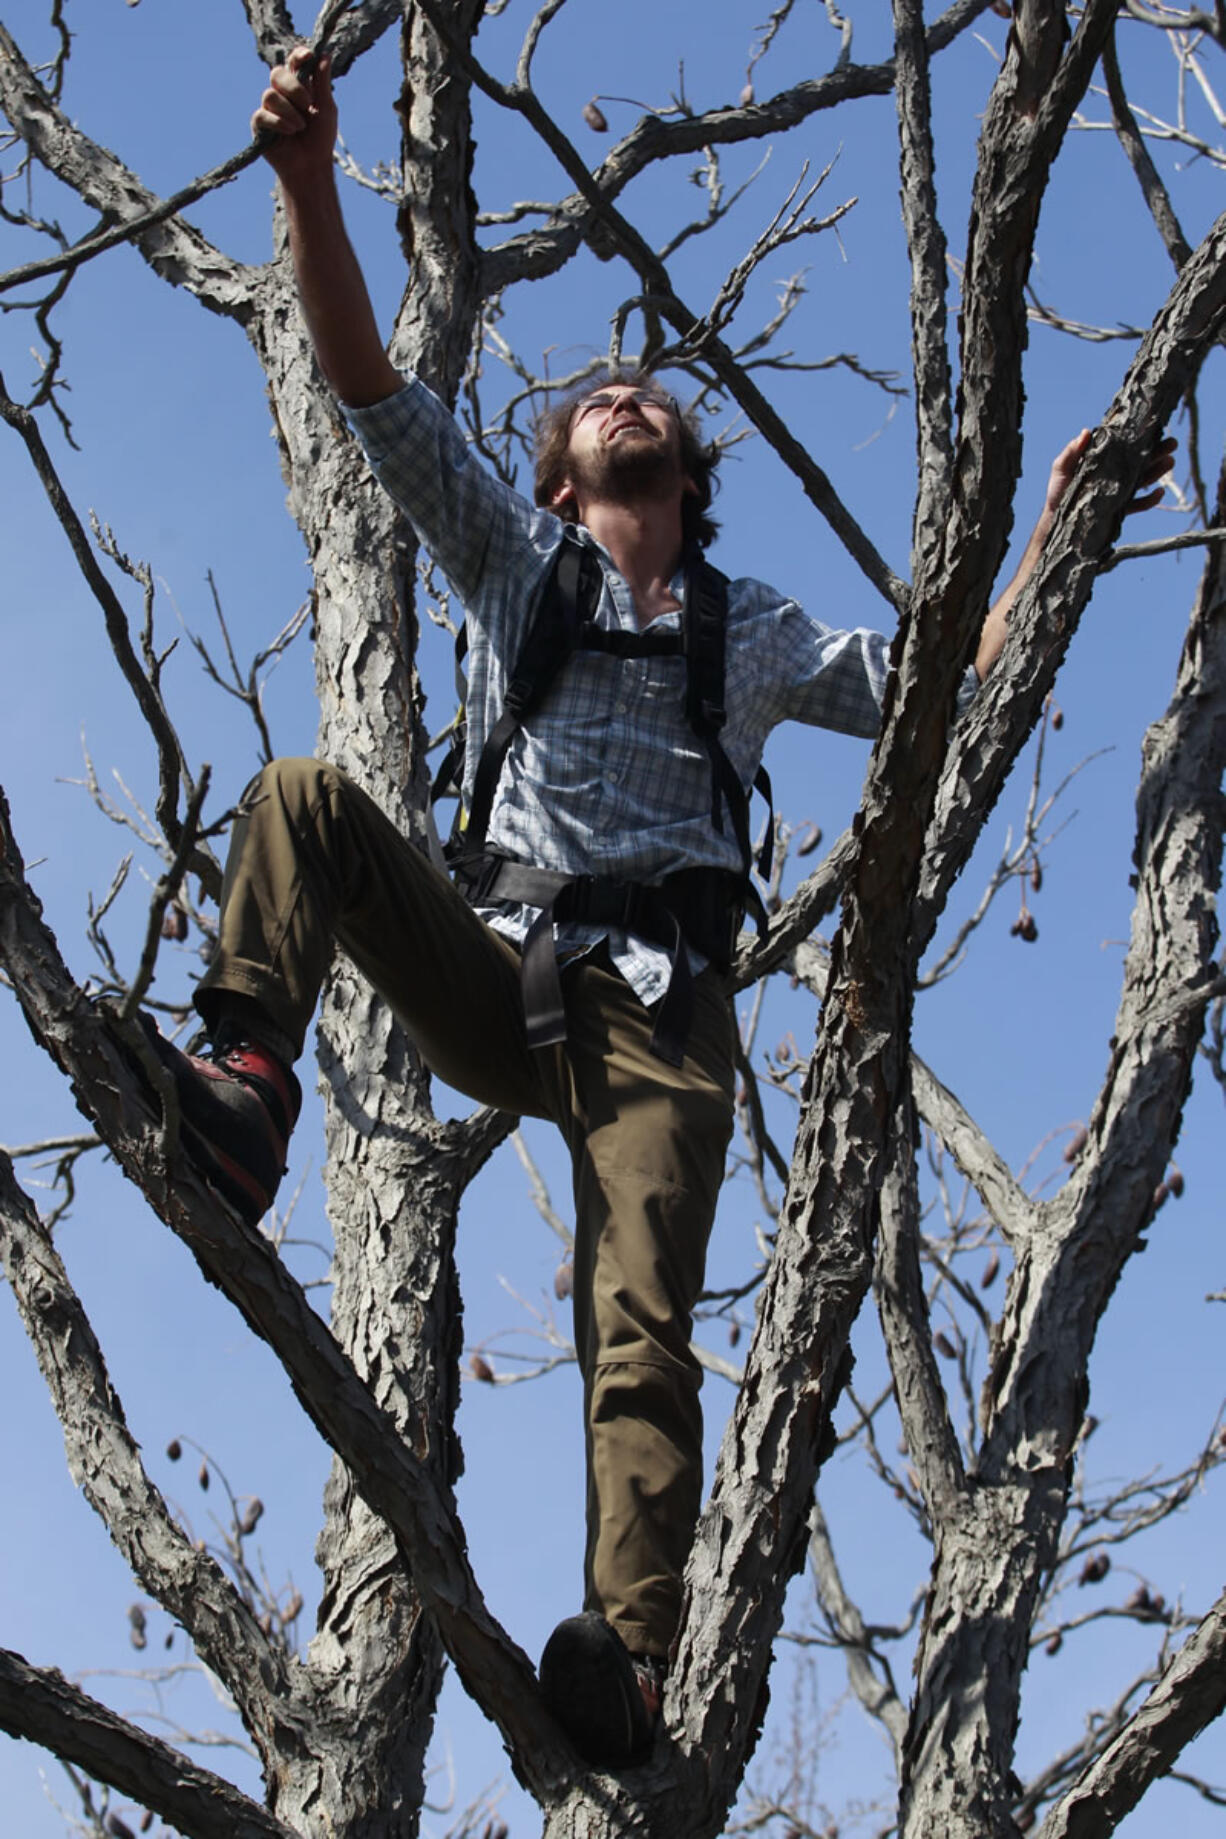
<point x="701" y="907"/>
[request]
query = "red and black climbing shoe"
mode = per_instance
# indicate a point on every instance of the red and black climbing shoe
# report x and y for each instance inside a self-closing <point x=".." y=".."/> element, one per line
<point x="237" y="1108"/>
<point x="606" y="1699"/>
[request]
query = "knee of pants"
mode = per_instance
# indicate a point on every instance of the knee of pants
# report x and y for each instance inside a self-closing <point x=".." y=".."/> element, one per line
<point x="296" y="781"/>
<point x="640" y="1256"/>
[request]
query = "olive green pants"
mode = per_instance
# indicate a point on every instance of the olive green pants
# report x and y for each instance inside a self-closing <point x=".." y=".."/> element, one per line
<point x="313" y="860"/>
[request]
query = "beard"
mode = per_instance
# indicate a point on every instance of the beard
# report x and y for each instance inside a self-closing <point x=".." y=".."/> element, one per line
<point x="632" y="467"/>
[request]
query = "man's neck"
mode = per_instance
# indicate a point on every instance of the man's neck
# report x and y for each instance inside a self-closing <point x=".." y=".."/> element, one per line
<point x="645" y="541"/>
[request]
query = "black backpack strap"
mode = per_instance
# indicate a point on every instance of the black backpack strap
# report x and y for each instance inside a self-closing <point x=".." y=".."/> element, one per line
<point x="551" y="638"/>
<point x="448" y="780"/>
<point x="705" y="622"/>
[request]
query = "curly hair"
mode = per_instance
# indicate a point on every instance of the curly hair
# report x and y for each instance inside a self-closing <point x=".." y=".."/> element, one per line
<point x="699" y="458"/>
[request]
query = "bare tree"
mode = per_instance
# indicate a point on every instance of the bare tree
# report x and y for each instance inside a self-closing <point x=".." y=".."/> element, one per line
<point x="993" y="1475"/>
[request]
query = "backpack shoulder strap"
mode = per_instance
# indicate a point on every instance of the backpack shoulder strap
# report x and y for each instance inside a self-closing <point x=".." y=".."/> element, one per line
<point x="705" y="642"/>
<point x="565" y="606"/>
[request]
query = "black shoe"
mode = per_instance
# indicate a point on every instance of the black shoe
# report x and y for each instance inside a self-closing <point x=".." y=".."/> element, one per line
<point x="238" y="1109"/>
<point x="590" y="1683"/>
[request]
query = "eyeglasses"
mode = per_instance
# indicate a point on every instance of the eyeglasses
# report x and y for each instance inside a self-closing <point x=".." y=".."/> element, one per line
<point x="608" y="399"/>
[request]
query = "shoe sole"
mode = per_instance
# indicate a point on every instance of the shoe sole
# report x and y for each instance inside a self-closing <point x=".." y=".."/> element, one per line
<point x="589" y="1684"/>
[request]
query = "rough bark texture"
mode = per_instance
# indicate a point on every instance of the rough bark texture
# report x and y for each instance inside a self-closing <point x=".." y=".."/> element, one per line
<point x="342" y="1734"/>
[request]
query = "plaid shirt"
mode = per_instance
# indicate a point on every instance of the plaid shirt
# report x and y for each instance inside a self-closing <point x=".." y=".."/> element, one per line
<point x="607" y="778"/>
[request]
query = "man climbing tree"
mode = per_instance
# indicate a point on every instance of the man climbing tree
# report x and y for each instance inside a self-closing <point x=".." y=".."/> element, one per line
<point x="578" y="972"/>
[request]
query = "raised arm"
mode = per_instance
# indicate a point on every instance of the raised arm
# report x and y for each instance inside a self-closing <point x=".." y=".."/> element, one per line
<point x="297" y="113"/>
<point x="1063" y="471"/>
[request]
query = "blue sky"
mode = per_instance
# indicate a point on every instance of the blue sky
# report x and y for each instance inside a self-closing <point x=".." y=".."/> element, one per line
<point x="177" y="456"/>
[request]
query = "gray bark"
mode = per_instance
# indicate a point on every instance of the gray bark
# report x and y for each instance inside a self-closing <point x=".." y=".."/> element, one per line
<point x="342" y="1734"/>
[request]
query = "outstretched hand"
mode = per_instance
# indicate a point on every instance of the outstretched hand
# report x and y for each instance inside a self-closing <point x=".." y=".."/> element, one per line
<point x="1150" y="486"/>
<point x="296" y="120"/>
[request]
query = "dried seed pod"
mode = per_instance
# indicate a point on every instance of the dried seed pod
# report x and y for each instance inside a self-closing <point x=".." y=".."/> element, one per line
<point x="146" y="1820"/>
<point x="593" y="114"/>
<point x="1057" y="719"/>
<point x="1161" y="1195"/>
<point x="481" y="1369"/>
<point x="1174" y="1181"/>
<point x="1139" y="1601"/>
<point x="810" y="840"/>
<point x="564" y="1280"/>
<point x="118" y="1828"/>
<point x="136" y="1628"/>
<point x="734" y="1333"/>
<point x="1075" y="1145"/>
<point x="169" y="1641"/>
<point x="1089" y="1425"/>
<point x="252" y="1517"/>
<point x="203" y="1477"/>
<point x="1095" y="1569"/>
<point x="174" y="923"/>
<point x="293" y="1609"/>
<point x="991" y="1271"/>
<point x="745" y="99"/>
<point x="944" y="1345"/>
<point x="174" y="1449"/>
<point x="1053" y="1644"/>
<point x="1036" y="875"/>
<point x="1026" y="928"/>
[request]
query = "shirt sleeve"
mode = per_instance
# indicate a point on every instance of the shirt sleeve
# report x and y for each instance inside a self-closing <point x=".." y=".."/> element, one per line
<point x="473" y="525"/>
<point x="836" y="679"/>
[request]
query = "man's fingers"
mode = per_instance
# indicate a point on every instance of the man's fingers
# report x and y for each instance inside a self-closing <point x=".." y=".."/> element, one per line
<point x="277" y="115"/>
<point x="1146" y="501"/>
<point x="294" y="89"/>
<point x="1161" y="461"/>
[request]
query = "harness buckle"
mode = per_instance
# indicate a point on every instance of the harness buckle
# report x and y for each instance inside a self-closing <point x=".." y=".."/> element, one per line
<point x="518" y="693"/>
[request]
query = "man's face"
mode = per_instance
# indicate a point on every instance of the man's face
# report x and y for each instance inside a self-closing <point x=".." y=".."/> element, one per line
<point x="624" y="442"/>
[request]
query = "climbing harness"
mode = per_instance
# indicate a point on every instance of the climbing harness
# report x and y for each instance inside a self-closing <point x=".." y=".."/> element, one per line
<point x="701" y="907"/>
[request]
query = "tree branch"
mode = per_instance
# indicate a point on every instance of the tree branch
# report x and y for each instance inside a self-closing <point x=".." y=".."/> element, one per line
<point x="397" y="1487"/>
<point x="177" y="252"/>
<point x="1190" y="1694"/>
<point x="879" y="1696"/>
<point x="1046" y="614"/>
<point x="976" y="1156"/>
<point x="927" y="250"/>
<point x="903" y="1307"/>
<point x="1093" y="1226"/>
<point x="171" y="765"/>
<point x="104" y="1461"/>
<point x="1155" y="193"/>
<point x="543" y="251"/>
<point x="41" y="1706"/>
